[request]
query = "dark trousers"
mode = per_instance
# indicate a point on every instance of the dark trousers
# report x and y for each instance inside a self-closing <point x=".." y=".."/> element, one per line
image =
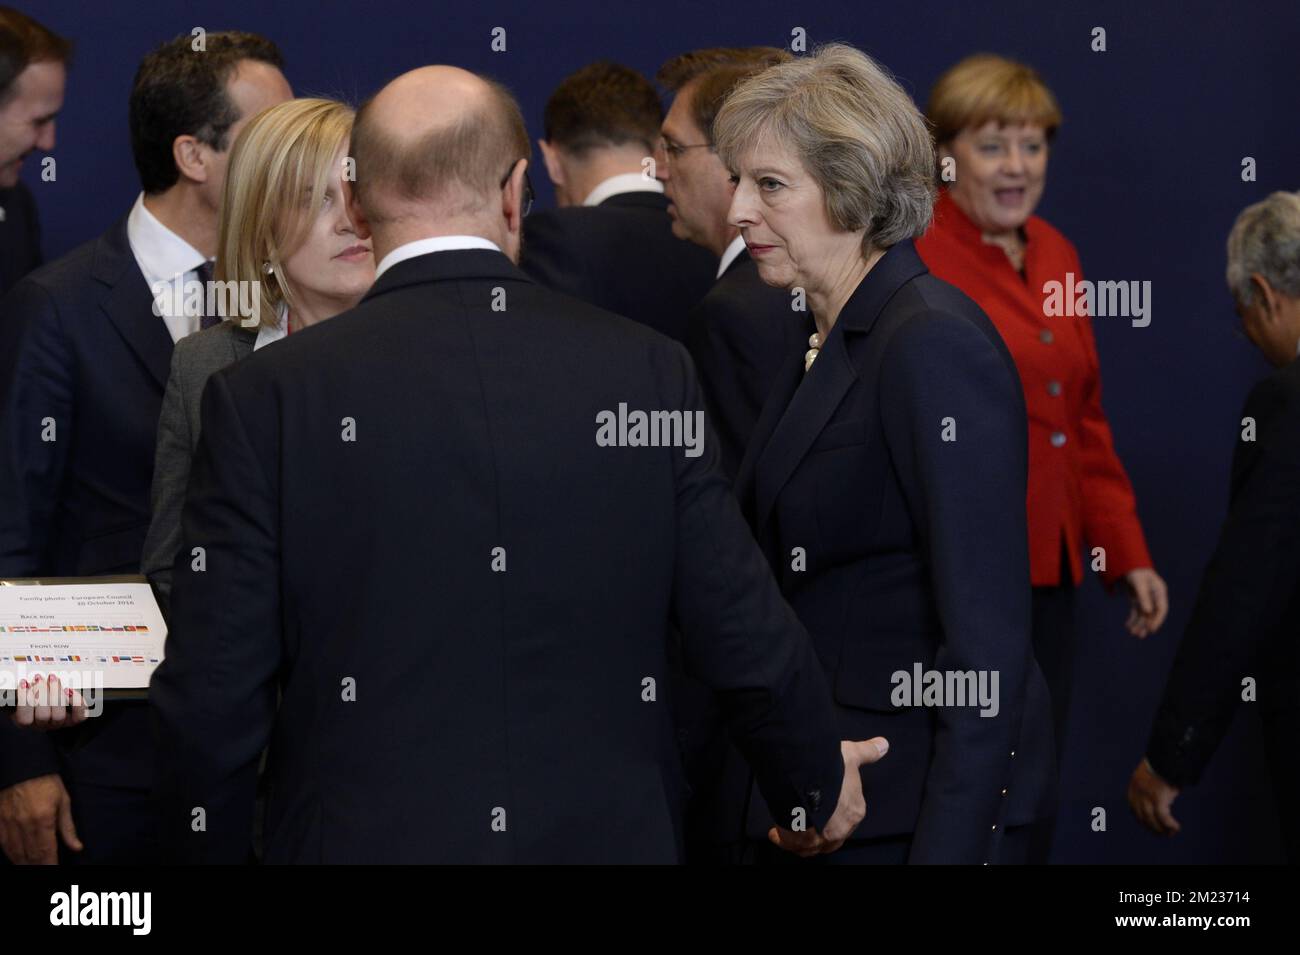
<point x="1054" y="648"/>
<point x="117" y="826"/>
<point x="1281" y="730"/>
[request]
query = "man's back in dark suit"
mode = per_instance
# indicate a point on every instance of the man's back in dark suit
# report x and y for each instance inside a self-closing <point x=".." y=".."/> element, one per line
<point x="20" y="235"/>
<point x="620" y="255"/>
<point x="461" y="594"/>
<point x="739" y="334"/>
<point x="1246" y="621"/>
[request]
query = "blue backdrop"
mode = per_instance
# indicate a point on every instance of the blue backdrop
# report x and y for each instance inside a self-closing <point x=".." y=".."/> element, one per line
<point x="1145" y="178"/>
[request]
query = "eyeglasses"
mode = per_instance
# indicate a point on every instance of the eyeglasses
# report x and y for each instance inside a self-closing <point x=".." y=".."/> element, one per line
<point x="673" y="150"/>
<point x="528" y="188"/>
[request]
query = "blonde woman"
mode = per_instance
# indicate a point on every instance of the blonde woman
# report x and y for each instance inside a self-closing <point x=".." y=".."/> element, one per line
<point x="286" y="233"/>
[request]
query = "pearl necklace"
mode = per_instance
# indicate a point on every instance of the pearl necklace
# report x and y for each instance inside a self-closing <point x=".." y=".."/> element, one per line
<point x="814" y="349"/>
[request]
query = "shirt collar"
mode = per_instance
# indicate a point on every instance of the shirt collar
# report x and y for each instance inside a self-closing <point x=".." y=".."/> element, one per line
<point x="437" y="243"/>
<point x="272" y="333"/>
<point x="161" y="253"/>
<point x="623" y="182"/>
<point x="737" y="246"/>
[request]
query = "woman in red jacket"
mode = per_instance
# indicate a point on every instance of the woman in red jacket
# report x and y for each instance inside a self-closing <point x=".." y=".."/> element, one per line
<point x="993" y="122"/>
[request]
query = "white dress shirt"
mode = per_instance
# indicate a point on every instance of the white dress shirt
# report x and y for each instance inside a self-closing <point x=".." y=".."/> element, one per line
<point x="162" y="255"/>
<point x="273" y="333"/>
<point x="623" y="182"/>
<point x="438" y="243"/>
<point x="737" y="246"/>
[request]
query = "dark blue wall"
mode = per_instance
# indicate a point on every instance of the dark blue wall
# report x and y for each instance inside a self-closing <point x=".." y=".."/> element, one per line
<point x="1145" y="179"/>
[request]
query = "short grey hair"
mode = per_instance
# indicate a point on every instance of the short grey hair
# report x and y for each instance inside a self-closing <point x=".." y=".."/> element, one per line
<point x="1266" y="239"/>
<point x="854" y="129"/>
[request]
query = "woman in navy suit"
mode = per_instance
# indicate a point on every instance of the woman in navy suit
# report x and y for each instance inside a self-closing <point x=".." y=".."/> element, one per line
<point x="886" y="476"/>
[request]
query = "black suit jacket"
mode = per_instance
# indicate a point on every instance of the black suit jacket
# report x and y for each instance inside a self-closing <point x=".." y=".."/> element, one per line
<point x="1246" y="621"/>
<point x="622" y="256"/>
<point x="20" y="235"/>
<point x="83" y="361"/>
<point x="435" y="707"/>
<point x="740" y="334"/>
<point x="912" y="549"/>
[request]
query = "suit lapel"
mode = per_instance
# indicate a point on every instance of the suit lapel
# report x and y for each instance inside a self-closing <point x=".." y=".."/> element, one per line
<point x="242" y="342"/>
<point x="776" y="449"/>
<point x="814" y="401"/>
<point x="128" y="303"/>
<point x="783" y="389"/>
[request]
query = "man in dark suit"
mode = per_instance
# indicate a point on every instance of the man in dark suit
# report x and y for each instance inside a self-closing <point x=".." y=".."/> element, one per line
<point x="84" y="353"/>
<point x="33" y="72"/>
<point x="466" y="623"/>
<point x="611" y="242"/>
<point x="742" y="330"/>
<point x="1243" y="641"/>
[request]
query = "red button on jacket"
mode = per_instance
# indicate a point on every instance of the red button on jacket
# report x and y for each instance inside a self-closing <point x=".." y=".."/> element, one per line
<point x="1077" y="485"/>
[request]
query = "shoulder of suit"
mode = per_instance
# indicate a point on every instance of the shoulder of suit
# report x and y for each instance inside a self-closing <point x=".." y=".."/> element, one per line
<point x="65" y="276"/>
<point x="939" y="316"/>
<point x="1280" y="388"/>
<point x="19" y="198"/>
<point x="741" y="296"/>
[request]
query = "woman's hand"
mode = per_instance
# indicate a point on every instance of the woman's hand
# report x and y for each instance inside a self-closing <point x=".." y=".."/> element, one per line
<point x="1150" y="601"/>
<point x="44" y="704"/>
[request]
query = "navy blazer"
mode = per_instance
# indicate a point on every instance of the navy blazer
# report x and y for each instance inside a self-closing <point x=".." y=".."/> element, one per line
<point x="620" y="255"/>
<point x="740" y="334"/>
<point x="20" y="235"/>
<point x="445" y="604"/>
<point x="83" y="362"/>
<point x="896" y="469"/>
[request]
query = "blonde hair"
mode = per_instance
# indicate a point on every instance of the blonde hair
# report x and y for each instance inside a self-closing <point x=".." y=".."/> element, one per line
<point x="854" y="129"/>
<point x="985" y="87"/>
<point x="280" y="167"/>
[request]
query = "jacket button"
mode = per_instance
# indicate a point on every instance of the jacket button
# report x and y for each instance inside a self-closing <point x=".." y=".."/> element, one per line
<point x="1058" y="438"/>
<point x="1013" y="754"/>
<point x="995" y="826"/>
<point x="1053" y="388"/>
<point x="1004" y="792"/>
<point x="1045" y="336"/>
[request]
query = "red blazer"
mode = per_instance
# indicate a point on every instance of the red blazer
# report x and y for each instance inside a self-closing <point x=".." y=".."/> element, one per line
<point x="1077" y="486"/>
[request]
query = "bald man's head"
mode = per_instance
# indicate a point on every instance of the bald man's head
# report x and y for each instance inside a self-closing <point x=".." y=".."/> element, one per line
<point x="438" y="139"/>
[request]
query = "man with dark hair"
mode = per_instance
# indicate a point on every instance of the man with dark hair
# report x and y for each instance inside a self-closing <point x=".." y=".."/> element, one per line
<point x="611" y="242"/>
<point x="84" y="356"/>
<point x="33" y="71"/>
<point x="738" y="334"/>
<point x="507" y="701"/>
<point x="742" y="329"/>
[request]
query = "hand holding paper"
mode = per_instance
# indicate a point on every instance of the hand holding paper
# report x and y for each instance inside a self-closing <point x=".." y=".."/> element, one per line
<point x="45" y="704"/>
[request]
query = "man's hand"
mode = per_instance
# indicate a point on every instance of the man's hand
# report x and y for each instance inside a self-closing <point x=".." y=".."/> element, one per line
<point x="1152" y="800"/>
<point x="30" y="814"/>
<point x="1150" y="601"/>
<point x="849" y="811"/>
<point x="45" y="704"/>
